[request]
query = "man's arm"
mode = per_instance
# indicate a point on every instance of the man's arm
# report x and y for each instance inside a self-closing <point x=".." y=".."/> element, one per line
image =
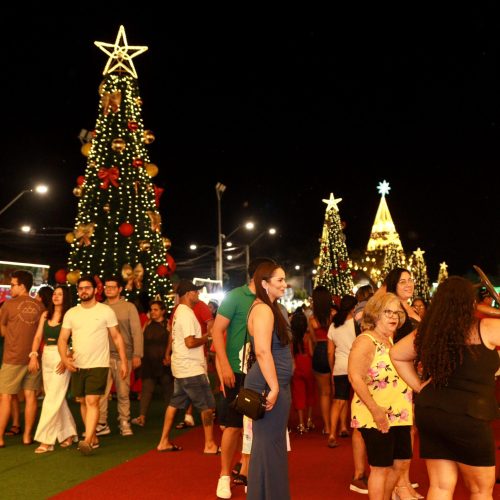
<point x="221" y="324"/>
<point x="137" y="337"/>
<point x="62" y="347"/>
<point x="192" y="341"/>
<point x="120" y="346"/>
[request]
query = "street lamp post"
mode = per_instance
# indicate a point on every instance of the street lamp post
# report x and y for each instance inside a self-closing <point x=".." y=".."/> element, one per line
<point x="219" y="189"/>
<point x="41" y="189"/>
<point x="271" y="231"/>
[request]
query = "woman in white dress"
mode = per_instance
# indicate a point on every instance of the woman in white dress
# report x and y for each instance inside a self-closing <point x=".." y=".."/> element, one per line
<point x="56" y="421"/>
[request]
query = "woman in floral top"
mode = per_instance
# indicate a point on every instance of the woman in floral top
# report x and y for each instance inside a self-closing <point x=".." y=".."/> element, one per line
<point x="382" y="404"/>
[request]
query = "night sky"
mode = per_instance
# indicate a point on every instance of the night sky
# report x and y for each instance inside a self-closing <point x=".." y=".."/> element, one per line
<point x="248" y="106"/>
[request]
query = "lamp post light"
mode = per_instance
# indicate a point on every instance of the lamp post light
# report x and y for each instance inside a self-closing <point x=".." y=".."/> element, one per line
<point x="40" y="189"/>
<point x="271" y="231"/>
<point x="219" y="189"/>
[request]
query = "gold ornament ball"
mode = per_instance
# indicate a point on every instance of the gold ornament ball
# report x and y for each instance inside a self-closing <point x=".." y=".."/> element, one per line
<point x="92" y="163"/>
<point x="78" y="191"/>
<point x="144" y="245"/>
<point x="101" y="87"/>
<point x="70" y="237"/>
<point x="151" y="169"/>
<point x="166" y="243"/>
<point x="148" y="137"/>
<point x="85" y="149"/>
<point x="118" y="145"/>
<point x="72" y="277"/>
<point x="316" y="261"/>
<point x="106" y="207"/>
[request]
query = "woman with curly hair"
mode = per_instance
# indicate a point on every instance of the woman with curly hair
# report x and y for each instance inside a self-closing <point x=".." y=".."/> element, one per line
<point x="456" y="402"/>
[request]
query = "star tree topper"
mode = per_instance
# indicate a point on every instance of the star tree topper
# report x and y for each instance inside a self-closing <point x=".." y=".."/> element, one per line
<point x="121" y="55"/>
<point x="383" y="188"/>
<point x="419" y="253"/>
<point x="332" y="203"/>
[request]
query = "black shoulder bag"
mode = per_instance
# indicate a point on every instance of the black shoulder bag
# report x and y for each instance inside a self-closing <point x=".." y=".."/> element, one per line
<point x="249" y="402"/>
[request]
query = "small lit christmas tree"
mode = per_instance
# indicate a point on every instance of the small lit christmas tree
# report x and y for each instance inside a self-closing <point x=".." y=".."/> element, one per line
<point x="334" y="270"/>
<point x="443" y="272"/>
<point x="394" y="257"/>
<point x="118" y="224"/>
<point x="419" y="272"/>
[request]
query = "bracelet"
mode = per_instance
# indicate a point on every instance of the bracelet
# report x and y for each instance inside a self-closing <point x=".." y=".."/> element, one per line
<point x="33" y="353"/>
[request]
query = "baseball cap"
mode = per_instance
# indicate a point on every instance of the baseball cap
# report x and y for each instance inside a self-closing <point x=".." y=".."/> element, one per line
<point x="186" y="286"/>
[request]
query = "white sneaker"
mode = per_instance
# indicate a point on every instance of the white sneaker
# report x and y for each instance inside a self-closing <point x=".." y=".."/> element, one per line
<point x="224" y="487"/>
<point x="125" y="429"/>
<point x="102" y="430"/>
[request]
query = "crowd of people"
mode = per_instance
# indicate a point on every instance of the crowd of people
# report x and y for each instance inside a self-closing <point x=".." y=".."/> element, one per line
<point x="405" y="365"/>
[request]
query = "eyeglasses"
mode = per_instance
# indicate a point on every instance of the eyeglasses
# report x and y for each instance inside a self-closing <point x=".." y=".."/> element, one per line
<point x="406" y="282"/>
<point x="389" y="313"/>
<point x="81" y="288"/>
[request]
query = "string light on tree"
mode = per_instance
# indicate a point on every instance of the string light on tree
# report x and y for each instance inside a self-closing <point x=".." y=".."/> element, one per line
<point x="334" y="270"/>
<point x="419" y="272"/>
<point x="443" y="272"/>
<point x="118" y="225"/>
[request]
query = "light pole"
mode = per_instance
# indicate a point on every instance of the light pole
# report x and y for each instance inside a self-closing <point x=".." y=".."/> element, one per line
<point x="219" y="189"/>
<point x="271" y="231"/>
<point x="41" y="189"/>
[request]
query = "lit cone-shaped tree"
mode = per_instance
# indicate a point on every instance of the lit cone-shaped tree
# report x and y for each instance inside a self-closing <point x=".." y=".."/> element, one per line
<point x="419" y="272"/>
<point x="443" y="272"/>
<point x="118" y="225"/>
<point x="333" y="269"/>
<point x="394" y="257"/>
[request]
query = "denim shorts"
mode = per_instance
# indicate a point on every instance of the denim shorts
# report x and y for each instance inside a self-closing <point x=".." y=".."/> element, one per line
<point x="194" y="390"/>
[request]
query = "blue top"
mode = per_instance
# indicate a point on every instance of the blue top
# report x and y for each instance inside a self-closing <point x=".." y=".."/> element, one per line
<point x="282" y="356"/>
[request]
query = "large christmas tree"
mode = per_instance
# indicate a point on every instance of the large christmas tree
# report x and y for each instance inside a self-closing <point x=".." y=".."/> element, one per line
<point x="118" y="224"/>
<point x="334" y="270"/>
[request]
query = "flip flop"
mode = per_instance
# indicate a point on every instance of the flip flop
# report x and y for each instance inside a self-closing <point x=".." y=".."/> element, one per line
<point x="213" y="452"/>
<point x="174" y="447"/>
<point x="344" y="434"/>
<point x="85" y="448"/>
<point x="14" y="430"/>
<point x="332" y="443"/>
<point x="183" y="425"/>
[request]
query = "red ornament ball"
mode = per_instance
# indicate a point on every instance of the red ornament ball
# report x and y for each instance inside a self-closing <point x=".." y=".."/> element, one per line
<point x="126" y="229"/>
<point x="137" y="162"/>
<point x="60" y="276"/>
<point x="80" y="180"/>
<point x="162" y="270"/>
<point x="132" y="126"/>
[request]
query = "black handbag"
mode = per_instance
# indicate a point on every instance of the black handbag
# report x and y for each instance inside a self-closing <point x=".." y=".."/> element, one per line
<point x="249" y="402"/>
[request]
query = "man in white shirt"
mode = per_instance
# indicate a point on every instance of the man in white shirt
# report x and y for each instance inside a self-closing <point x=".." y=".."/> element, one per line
<point x="189" y="368"/>
<point x="89" y="324"/>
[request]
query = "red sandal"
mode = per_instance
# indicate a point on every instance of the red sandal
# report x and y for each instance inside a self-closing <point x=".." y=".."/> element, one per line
<point x="14" y="430"/>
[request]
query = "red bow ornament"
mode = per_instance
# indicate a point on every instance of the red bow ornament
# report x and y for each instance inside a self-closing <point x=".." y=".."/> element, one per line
<point x="108" y="175"/>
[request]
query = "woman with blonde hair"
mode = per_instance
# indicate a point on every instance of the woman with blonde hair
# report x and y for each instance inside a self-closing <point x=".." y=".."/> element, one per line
<point x="382" y="404"/>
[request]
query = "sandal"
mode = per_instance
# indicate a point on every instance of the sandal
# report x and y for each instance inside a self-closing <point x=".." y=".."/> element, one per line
<point x="240" y="479"/>
<point x="183" y="425"/>
<point x="138" y="421"/>
<point x="236" y="469"/>
<point x="14" y="430"/>
<point x="44" y="448"/>
<point x="69" y="441"/>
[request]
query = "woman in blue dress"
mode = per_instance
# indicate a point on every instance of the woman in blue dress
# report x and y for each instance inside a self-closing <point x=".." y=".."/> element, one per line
<point x="272" y="373"/>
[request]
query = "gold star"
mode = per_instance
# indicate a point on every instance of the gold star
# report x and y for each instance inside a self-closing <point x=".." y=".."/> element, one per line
<point x="443" y="266"/>
<point x="419" y="253"/>
<point x="332" y="203"/>
<point x="120" y="54"/>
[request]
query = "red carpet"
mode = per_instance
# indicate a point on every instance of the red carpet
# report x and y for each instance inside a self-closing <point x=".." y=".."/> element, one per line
<point x="316" y="472"/>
